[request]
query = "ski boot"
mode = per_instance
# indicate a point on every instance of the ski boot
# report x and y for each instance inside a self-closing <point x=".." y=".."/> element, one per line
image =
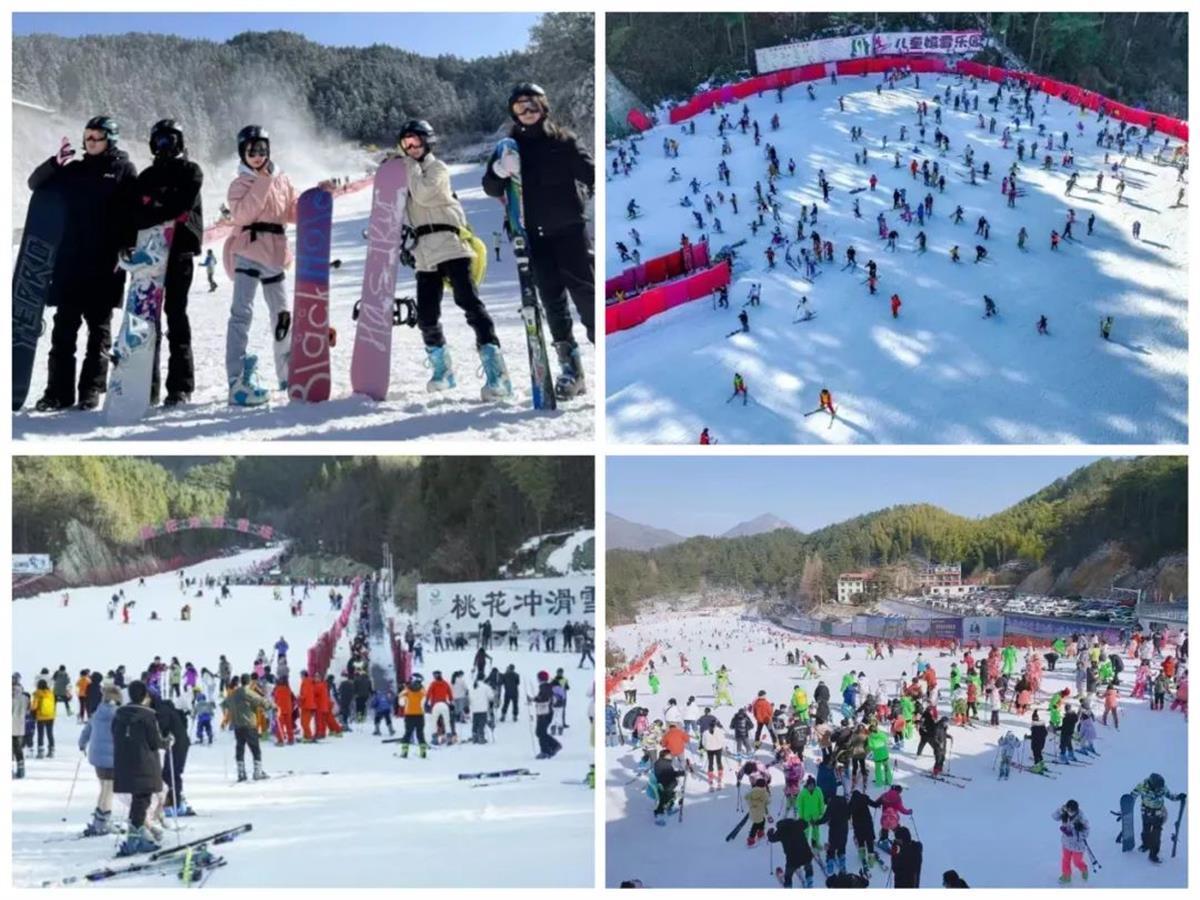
<point x="259" y="774"/>
<point x="841" y="864"/>
<point x="41" y="754"/>
<point x="1064" y="879"/>
<point x="442" y="377"/>
<point x="808" y="881"/>
<point x="245" y="389"/>
<point x="751" y="841"/>
<point x="49" y="753"/>
<point x="590" y="780"/>
<point x="404" y="751"/>
<point x="241" y="771"/>
<point x="1039" y="768"/>
<point x="138" y="840"/>
<point x="570" y="381"/>
<point x="181" y="810"/>
<point x="498" y="386"/>
<point x="20" y="773"/>
<point x="424" y="749"/>
<point x="176" y="398"/>
<point x="101" y="824"/>
<point x="88" y="402"/>
<point x="48" y="403"/>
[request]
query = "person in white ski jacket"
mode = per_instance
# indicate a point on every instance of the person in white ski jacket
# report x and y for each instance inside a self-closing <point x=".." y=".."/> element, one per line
<point x="481" y="697"/>
<point x="713" y="744"/>
<point x="444" y="253"/>
<point x="673" y="715"/>
<point x="1073" y="830"/>
<point x="691" y="715"/>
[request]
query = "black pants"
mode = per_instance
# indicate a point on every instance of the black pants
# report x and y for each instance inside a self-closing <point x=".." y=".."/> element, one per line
<point x="478" y="724"/>
<point x="45" y="730"/>
<point x="181" y="377"/>
<point x="546" y="743"/>
<point x="587" y="655"/>
<point x="414" y="727"/>
<point x="175" y="758"/>
<point x="759" y="730"/>
<point x="562" y="264"/>
<point x="509" y="700"/>
<point x="1152" y="825"/>
<point x="429" y="303"/>
<point x="93" y="375"/>
<point x="360" y="707"/>
<point x="18" y="753"/>
<point x="246" y="737"/>
<point x="666" y="796"/>
<point x="757" y="829"/>
<point x="791" y="868"/>
<point x="715" y="756"/>
<point x="139" y="805"/>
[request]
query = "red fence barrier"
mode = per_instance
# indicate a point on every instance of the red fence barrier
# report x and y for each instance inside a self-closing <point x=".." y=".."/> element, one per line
<point x="868" y="65"/>
<point x="660" y="268"/>
<point x="614" y="679"/>
<point x="320" y="654"/>
<point x="636" y="310"/>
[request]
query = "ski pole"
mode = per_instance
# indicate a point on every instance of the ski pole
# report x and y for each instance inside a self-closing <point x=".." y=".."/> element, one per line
<point x="174" y="792"/>
<point x="71" y="793"/>
<point x="916" y="830"/>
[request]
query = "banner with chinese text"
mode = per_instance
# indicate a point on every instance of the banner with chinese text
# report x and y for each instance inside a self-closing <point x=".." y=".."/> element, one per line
<point x="527" y="602"/>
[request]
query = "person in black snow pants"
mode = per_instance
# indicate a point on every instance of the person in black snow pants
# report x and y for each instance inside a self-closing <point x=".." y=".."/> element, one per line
<point x="797" y="854"/>
<point x="837" y="817"/>
<point x="169" y="190"/>
<point x="863" y="822"/>
<point x="553" y="164"/>
<point x="906" y="860"/>
<point x="96" y="194"/>
<point x="173" y="724"/>
<point x="543" y="707"/>
<point x="510" y="683"/>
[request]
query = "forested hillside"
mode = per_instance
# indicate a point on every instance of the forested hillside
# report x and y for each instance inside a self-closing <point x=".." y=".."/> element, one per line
<point x="446" y="518"/>
<point x="1139" y="503"/>
<point x="1136" y="58"/>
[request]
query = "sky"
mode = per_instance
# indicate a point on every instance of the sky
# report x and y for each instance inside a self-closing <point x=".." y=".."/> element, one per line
<point x="466" y="35"/>
<point x="698" y="495"/>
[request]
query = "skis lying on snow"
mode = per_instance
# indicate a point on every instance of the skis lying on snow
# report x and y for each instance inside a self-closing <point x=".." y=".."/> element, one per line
<point x="738" y="827"/>
<point x="277" y="776"/>
<point x="156" y="860"/>
<point x="943" y="779"/>
<point x="501" y="773"/>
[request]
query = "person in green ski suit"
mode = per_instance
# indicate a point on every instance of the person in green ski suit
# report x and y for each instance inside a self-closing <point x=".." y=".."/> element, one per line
<point x="908" y="708"/>
<point x="1009" y="658"/>
<point x="723" y="697"/>
<point x="1056" y="703"/>
<point x="1154" y="794"/>
<point x="704" y="665"/>
<point x="1105" y="674"/>
<point x="800" y="703"/>
<point x="654" y="683"/>
<point x="1060" y="647"/>
<point x="955" y="677"/>
<point x="877" y="746"/>
<point x="810" y="809"/>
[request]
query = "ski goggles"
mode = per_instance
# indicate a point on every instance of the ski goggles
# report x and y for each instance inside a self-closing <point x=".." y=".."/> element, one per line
<point x="90" y="139"/>
<point x="167" y="142"/>
<point x="412" y="143"/>
<point x="526" y="104"/>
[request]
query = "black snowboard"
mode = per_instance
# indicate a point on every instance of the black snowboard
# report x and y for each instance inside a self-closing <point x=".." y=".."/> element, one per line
<point x="33" y="276"/>
<point x="1126" y="819"/>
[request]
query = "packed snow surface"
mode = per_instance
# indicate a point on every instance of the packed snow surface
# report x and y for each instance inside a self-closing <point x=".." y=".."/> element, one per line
<point x="994" y="833"/>
<point x="374" y="821"/>
<point x="941" y="372"/>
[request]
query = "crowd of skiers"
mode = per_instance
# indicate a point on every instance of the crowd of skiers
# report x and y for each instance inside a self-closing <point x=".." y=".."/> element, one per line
<point x="864" y="721"/>
<point x="105" y="201"/>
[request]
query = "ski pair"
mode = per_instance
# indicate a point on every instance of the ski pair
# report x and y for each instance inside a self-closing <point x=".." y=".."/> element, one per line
<point x="155" y="860"/>
<point x="501" y="773"/>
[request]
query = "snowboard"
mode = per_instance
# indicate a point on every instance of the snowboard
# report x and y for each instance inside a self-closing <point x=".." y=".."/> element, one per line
<point x="308" y="366"/>
<point x="1126" y="818"/>
<point x="542" y="381"/>
<point x="33" y="275"/>
<point x="128" y="395"/>
<point x="370" y="365"/>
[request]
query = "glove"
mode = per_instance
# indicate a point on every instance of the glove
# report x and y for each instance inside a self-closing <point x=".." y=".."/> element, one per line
<point x="66" y="153"/>
<point x="507" y="165"/>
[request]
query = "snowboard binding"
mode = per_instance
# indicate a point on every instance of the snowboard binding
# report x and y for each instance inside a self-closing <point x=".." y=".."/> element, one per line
<point x="404" y="312"/>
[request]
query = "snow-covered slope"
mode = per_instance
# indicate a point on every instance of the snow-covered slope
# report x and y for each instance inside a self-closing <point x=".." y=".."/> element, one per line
<point x="408" y="413"/>
<point x="940" y="373"/>
<point x="373" y="821"/>
<point x="995" y="833"/>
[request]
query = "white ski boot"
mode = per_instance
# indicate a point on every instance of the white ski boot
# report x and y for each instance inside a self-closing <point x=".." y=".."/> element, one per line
<point x="498" y="385"/>
<point x="570" y="381"/>
<point x="442" y="377"/>
<point x="245" y="389"/>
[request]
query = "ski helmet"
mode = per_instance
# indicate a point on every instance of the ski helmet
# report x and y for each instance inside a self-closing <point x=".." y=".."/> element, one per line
<point x="421" y="129"/>
<point x="161" y="141"/>
<point x="107" y="124"/>
<point x="248" y="136"/>
<point x="1156" y="782"/>
<point x="531" y="90"/>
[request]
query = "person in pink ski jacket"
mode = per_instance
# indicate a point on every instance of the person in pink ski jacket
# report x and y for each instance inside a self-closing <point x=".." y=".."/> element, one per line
<point x="892" y="807"/>
<point x="262" y="202"/>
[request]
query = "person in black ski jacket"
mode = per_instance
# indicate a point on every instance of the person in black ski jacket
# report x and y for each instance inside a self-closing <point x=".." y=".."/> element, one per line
<point x="543" y="707"/>
<point x="510" y="683"/>
<point x="552" y="166"/>
<point x="96" y="194"/>
<point x="169" y="191"/>
<point x="362" y="694"/>
<point x="94" y="696"/>
<point x="862" y="820"/>
<point x="136" y="766"/>
<point x="797" y="854"/>
<point x="837" y="817"/>
<point x="173" y="726"/>
<point x="906" y="859"/>
<point x="925" y="729"/>
<point x="666" y="776"/>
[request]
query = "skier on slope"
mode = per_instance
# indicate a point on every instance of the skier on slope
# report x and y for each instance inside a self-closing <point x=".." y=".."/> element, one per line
<point x="1153" y="792"/>
<point x="262" y="202"/>
<point x="797" y="854"/>
<point x="136" y="767"/>
<point x="444" y="249"/>
<point x="552" y="165"/>
<point x="169" y="191"/>
<point x="97" y="739"/>
<point x="96" y="194"/>
<point x="1073" y="829"/>
<point x="243" y="706"/>
<point x="544" y="712"/>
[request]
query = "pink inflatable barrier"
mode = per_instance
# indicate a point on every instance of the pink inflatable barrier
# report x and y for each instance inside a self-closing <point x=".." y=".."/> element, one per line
<point x="869" y="65"/>
<point x="638" y="120"/>
<point x="658" y="269"/>
<point x="636" y="310"/>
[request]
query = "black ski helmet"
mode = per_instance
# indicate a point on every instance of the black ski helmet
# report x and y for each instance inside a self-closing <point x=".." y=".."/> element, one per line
<point x="1156" y="782"/>
<point x="107" y="124"/>
<point x="248" y="136"/>
<point x="528" y="89"/>
<point x="421" y="129"/>
<point x="162" y="128"/>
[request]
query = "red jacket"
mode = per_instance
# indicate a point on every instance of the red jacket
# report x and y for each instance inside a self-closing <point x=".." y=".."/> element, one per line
<point x="321" y="691"/>
<point x="439" y="691"/>
<point x="283" y="700"/>
<point x="763" y="710"/>
<point x="308" y="695"/>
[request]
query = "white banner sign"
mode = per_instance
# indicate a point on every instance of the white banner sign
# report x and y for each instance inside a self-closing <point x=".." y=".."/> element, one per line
<point x="527" y="602"/>
<point x="802" y="53"/>
<point x="32" y="564"/>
